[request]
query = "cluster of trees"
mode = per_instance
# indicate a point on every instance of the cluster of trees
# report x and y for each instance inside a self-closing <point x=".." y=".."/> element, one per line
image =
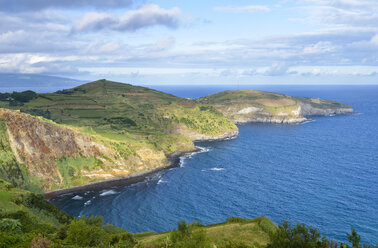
<point x="18" y="98"/>
<point x="83" y="232"/>
<point x="299" y="236"/>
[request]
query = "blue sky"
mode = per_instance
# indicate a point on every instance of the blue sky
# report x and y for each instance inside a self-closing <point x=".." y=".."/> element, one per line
<point x="193" y="42"/>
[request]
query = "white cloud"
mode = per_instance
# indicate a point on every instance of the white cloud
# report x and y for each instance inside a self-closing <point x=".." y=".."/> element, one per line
<point x="341" y="12"/>
<point x="374" y="39"/>
<point x="146" y="16"/>
<point x="277" y="69"/>
<point x="94" y="21"/>
<point x="149" y="15"/>
<point x="319" y="47"/>
<point x="102" y="48"/>
<point x="241" y="9"/>
<point x="163" y="44"/>
<point x="28" y="5"/>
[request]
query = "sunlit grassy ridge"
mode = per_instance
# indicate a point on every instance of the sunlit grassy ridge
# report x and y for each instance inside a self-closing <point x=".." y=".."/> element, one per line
<point x="122" y="111"/>
<point x="249" y="232"/>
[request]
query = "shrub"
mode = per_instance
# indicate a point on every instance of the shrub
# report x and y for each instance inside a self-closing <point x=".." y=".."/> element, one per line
<point x="10" y="226"/>
<point x="40" y="242"/>
<point x="287" y="236"/>
<point x="24" y="96"/>
<point x="188" y="236"/>
<point x="86" y="232"/>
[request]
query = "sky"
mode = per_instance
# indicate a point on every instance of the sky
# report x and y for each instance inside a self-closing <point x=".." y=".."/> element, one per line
<point x="193" y="42"/>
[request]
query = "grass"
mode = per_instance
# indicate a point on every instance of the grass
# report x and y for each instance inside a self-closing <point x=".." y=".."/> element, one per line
<point x="70" y="168"/>
<point x="252" y="232"/>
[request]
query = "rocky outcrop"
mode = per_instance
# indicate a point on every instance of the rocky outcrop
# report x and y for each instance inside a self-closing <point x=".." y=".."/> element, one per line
<point x="307" y="109"/>
<point x="296" y="116"/>
<point x="38" y="144"/>
<point x="195" y="136"/>
<point x="225" y="136"/>
<point x="272" y="119"/>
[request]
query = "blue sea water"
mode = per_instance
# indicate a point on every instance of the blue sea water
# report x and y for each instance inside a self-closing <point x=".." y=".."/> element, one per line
<point x="323" y="173"/>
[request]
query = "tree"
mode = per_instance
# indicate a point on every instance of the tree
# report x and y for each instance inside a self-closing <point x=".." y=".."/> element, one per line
<point x="354" y="238"/>
<point x="87" y="231"/>
<point x="189" y="235"/>
<point x="24" y="96"/>
<point x="298" y="236"/>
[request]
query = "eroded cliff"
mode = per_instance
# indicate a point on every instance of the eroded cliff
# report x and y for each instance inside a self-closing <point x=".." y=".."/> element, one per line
<point x="60" y="157"/>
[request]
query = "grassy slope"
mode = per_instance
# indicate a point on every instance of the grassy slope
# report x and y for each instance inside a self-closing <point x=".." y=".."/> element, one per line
<point x="252" y="232"/>
<point x="31" y="210"/>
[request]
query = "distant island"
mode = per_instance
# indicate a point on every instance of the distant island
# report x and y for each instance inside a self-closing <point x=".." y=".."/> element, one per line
<point x="105" y="133"/>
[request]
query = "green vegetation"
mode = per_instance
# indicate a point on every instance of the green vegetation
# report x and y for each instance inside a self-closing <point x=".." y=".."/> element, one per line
<point x="245" y="233"/>
<point x="18" y="98"/>
<point x="110" y="108"/>
<point x="235" y="232"/>
<point x="71" y="168"/>
<point x="28" y="220"/>
<point x="288" y="236"/>
<point x="134" y="129"/>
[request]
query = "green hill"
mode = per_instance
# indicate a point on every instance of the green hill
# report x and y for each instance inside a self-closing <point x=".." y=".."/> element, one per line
<point x="121" y="111"/>
<point x="97" y="131"/>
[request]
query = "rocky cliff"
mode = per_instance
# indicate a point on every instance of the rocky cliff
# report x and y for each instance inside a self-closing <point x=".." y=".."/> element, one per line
<point x="61" y="157"/>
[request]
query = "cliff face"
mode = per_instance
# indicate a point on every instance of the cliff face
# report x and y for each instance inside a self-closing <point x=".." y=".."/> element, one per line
<point x="62" y="157"/>
<point x="310" y="110"/>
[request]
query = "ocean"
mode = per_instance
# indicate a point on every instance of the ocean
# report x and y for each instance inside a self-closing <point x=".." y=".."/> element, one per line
<point x="322" y="173"/>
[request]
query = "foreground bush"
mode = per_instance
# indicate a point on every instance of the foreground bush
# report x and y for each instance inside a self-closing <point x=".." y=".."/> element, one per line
<point x="301" y="236"/>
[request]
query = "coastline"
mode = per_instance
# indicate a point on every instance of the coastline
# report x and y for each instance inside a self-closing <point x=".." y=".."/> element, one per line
<point x="173" y="162"/>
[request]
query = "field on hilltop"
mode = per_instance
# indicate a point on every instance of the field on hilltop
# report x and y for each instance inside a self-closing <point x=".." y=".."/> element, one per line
<point x="124" y="112"/>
